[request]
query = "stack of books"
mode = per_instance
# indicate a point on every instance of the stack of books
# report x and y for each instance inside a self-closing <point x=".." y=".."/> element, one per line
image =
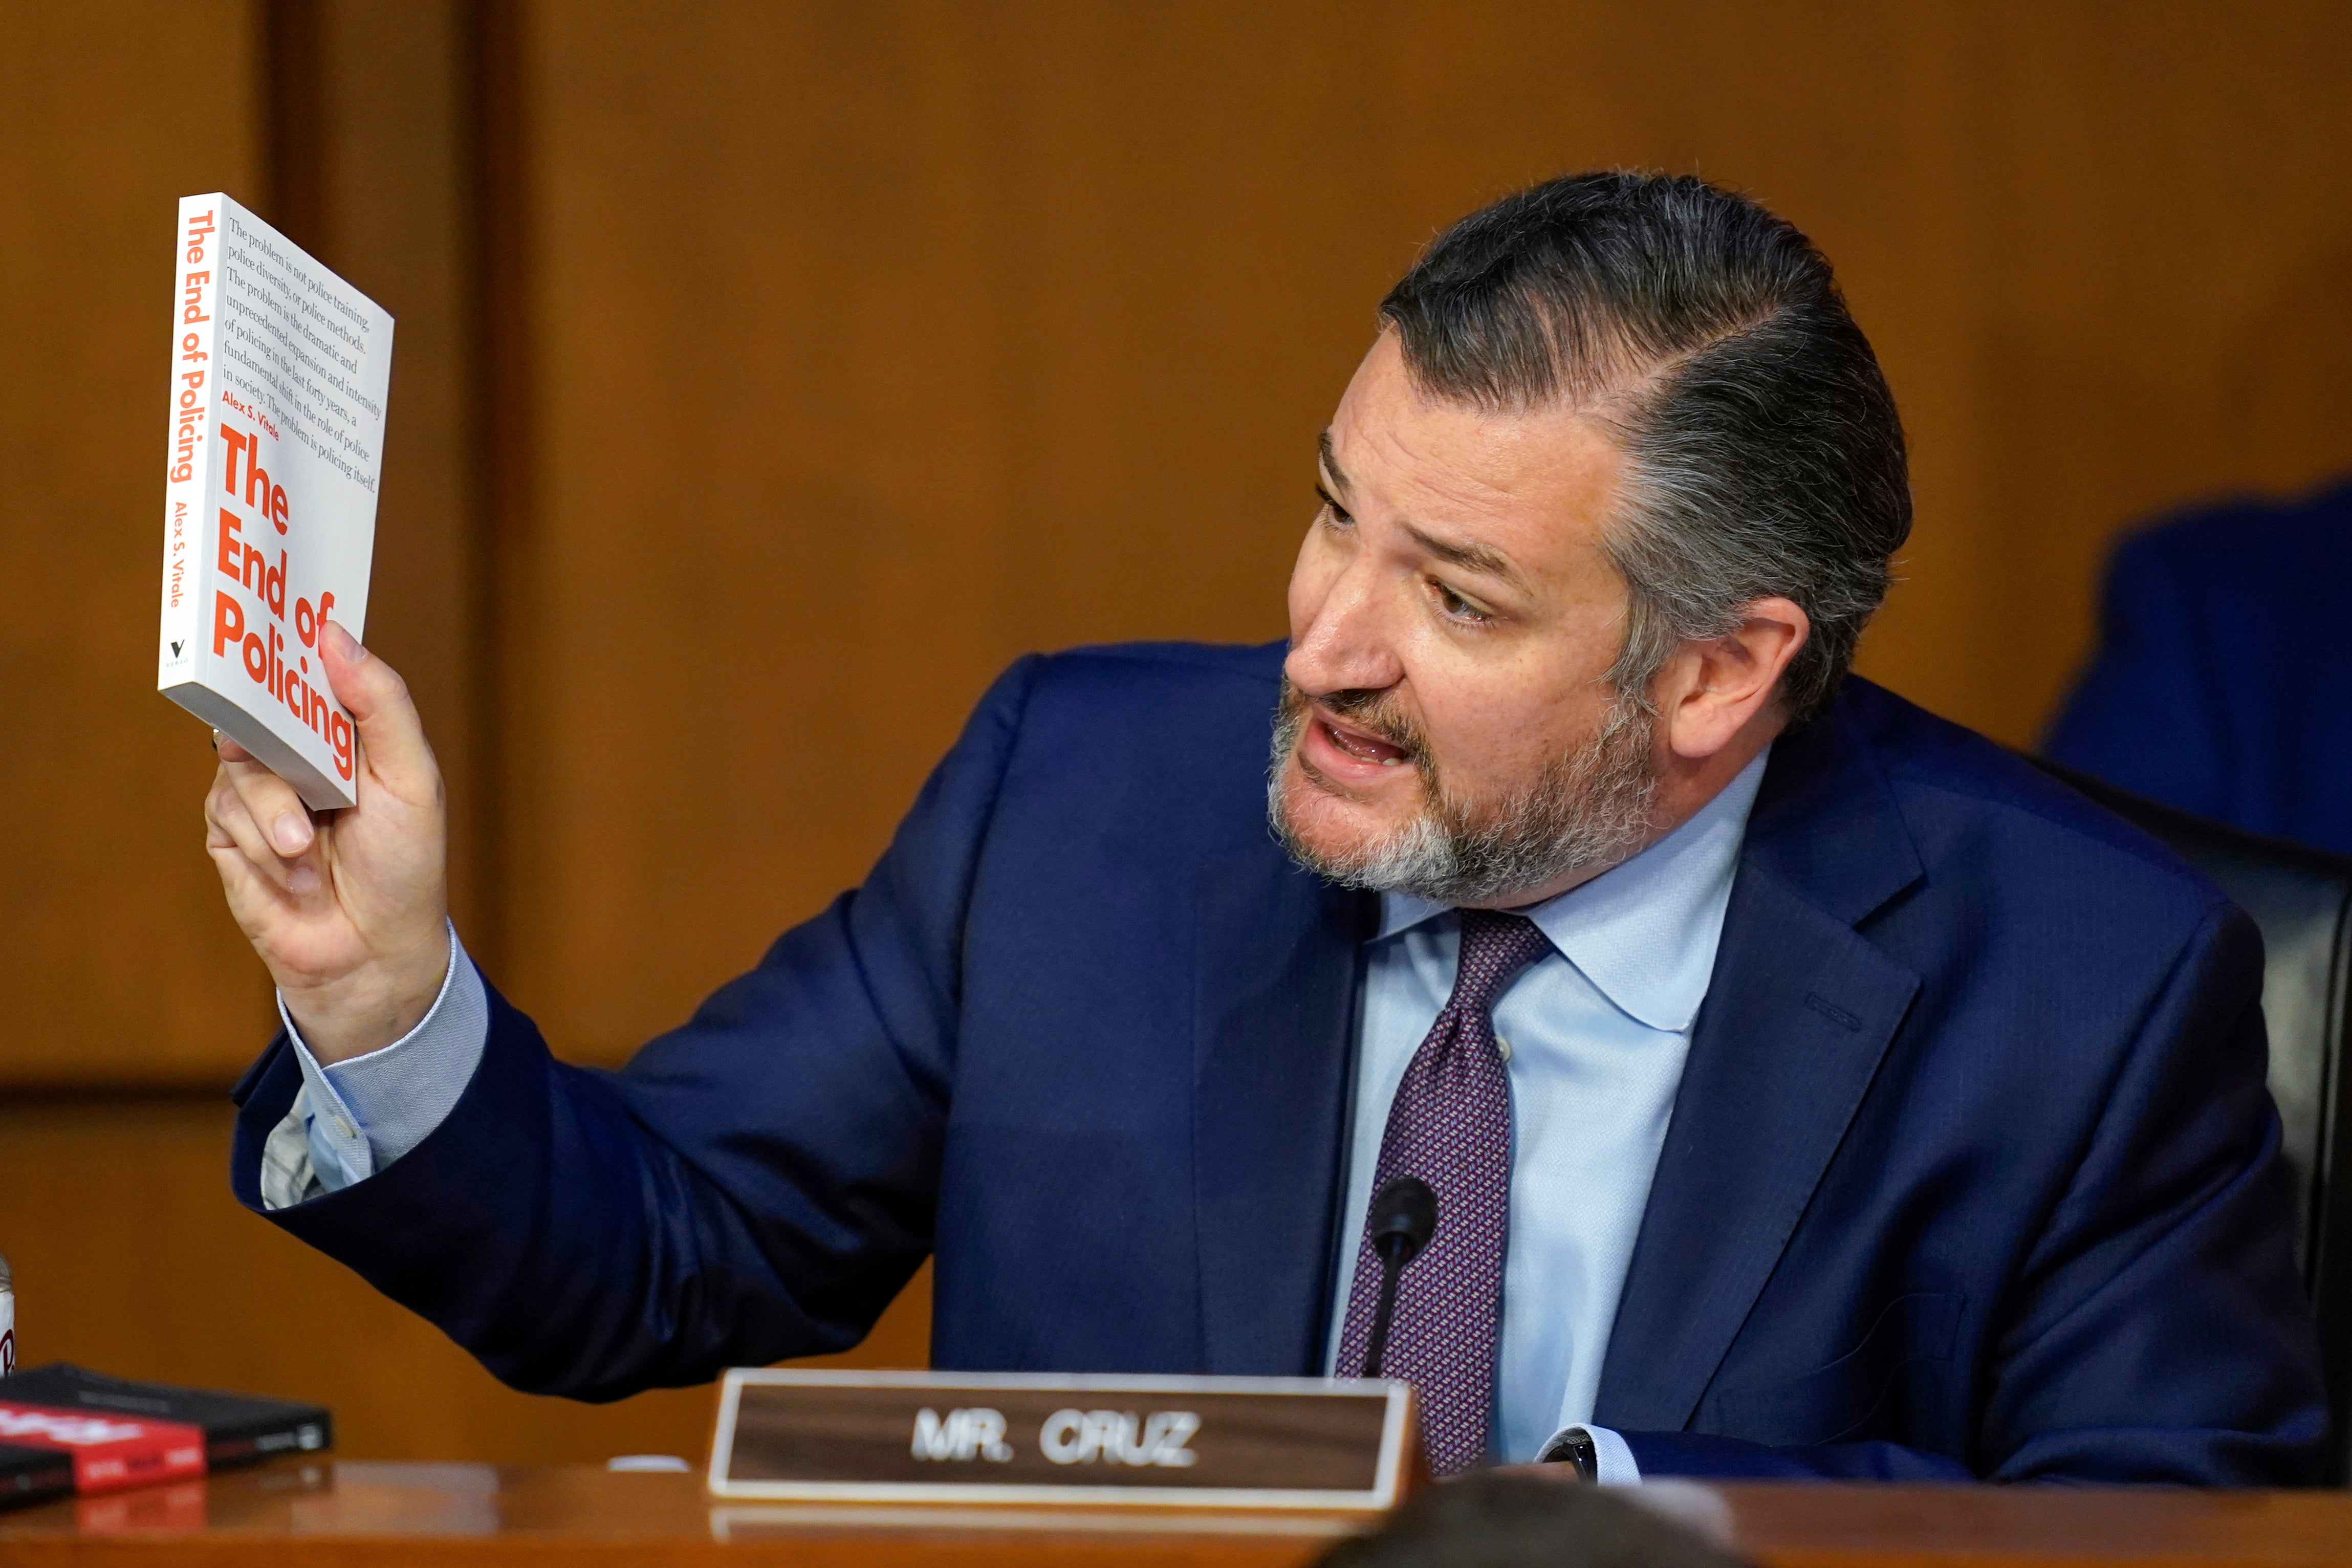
<point x="64" y="1430"/>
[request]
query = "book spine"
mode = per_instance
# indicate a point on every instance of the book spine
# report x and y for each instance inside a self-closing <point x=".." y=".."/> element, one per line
<point x="190" y="451"/>
<point x="295" y="1431"/>
<point x="28" y="1476"/>
<point x="105" y="1451"/>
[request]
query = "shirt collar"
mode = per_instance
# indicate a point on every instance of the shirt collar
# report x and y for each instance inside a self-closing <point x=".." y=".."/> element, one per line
<point x="1643" y="932"/>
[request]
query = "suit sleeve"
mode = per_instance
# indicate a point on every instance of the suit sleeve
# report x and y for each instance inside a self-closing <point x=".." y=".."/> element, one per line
<point x="2156" y="1330"/>
<point x="756" y="1185"/>
<point x="2142" y="715"/>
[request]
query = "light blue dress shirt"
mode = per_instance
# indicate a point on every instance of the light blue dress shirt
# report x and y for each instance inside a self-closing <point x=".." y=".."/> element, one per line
<point x="1596" y="1032"/>
<point x="358" y="1116"/>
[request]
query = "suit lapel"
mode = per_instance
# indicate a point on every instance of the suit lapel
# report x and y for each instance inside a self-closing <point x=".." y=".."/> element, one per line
<point x="1799" y="1013"/>
<point x="1276" y="987"/>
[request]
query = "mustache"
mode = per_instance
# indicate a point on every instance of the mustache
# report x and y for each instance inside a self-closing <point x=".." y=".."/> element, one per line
<point x="1586" y="808"/>
<point x="1377" y="713"/>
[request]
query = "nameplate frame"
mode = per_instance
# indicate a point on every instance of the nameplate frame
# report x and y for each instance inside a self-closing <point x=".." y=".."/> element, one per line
<point x="1304" y="1443"/>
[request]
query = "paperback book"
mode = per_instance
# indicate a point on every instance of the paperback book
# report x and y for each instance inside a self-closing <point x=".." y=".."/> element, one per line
<point x="64" y="1429"/>
<point x="279" y="370"/>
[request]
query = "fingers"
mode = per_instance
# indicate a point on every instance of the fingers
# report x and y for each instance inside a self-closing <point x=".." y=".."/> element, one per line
<point x="248" y="890"/>
<point x="232" y="825"/>
<point x="275" y="810"/>
<point x="390" y="731"/>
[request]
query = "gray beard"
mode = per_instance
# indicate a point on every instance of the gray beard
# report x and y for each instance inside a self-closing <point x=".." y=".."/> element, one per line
<point x="1584" y="811"/>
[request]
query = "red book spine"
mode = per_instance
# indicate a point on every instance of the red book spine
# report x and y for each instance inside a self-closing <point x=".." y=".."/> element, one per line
<point x="109" y="1452"/>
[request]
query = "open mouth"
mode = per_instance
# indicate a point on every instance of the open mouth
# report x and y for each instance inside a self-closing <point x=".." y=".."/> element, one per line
<point x="1359" y="744"/>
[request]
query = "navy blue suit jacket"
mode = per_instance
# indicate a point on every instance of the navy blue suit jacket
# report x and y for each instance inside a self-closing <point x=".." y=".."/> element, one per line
<point x="1972" y="1169"/>
<point x="2218" y="685"/>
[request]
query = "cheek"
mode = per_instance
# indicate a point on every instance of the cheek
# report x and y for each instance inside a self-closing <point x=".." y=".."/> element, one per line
<point x="1462" y="716"/>
<point x="1489" y="732"/>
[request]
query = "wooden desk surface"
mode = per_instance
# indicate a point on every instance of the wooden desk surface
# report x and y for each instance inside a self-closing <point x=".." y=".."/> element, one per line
<point x="295" y="1514"/>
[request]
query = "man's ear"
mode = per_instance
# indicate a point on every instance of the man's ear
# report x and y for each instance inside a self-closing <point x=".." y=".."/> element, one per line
<point x="1709" y="692"/>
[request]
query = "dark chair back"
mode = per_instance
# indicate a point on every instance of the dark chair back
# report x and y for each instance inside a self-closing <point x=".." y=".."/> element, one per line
<point x="2301" y="900"/>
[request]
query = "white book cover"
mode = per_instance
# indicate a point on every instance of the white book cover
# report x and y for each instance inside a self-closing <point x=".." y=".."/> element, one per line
<point x="279" y="375"/>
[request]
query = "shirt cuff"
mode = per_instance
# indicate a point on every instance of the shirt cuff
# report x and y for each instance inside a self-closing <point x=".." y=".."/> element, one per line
<point x="365" y="1114"/>
<point x="1613" y="1457"/>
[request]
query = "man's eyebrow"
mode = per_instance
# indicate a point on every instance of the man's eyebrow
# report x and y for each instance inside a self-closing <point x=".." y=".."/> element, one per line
<point x="1331" y="463"/>
<point x="1481" y="558"/>
<point x="1484" y="558"/>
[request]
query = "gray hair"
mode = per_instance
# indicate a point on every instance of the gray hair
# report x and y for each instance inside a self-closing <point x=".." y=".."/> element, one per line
<point x="1764" y="453"/>
<point x="1583" y="811"/>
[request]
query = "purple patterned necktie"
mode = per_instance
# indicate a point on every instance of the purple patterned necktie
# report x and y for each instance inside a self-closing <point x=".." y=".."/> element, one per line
<point x="1450" y="1124"/>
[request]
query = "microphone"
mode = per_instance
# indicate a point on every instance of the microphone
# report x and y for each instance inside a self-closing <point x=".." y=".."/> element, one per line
<point x="1403" y="1217"/>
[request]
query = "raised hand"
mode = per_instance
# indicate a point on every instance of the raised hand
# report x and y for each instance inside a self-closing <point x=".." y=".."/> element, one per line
<point x="348" y="909"/>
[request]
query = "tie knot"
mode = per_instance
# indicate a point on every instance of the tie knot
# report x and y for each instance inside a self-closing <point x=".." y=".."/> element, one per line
<point x="1494" y="948"/>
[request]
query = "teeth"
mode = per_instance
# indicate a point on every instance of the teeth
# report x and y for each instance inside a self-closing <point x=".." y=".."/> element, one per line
<point x="1391" y="762"/>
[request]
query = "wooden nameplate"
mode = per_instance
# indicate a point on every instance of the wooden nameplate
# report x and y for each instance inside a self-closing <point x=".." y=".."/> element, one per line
<point x="1019" y="1438"/>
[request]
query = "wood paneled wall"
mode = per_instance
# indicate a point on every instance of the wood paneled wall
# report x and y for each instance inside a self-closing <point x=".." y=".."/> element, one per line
<point x="769" y="375"/>
<point x="880" y="343"/>
<point x="118" y="970"/>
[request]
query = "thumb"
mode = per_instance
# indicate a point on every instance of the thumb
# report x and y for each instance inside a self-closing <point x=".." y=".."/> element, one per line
<point x="379" y="704"/>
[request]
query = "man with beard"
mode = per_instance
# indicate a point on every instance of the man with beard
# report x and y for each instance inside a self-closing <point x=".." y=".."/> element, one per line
<point x="1806" y="1087"/>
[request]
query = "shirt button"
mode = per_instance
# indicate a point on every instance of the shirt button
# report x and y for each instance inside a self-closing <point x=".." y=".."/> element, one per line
<point x="1503" y="1047"/>
<point x="344" y="1128"/>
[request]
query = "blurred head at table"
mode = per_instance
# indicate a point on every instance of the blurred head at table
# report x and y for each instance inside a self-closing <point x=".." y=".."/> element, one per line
<point x="1503" y="1521"/>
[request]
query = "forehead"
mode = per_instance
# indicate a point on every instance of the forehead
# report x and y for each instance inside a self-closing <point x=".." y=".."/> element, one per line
<point x="1530" y="481"/>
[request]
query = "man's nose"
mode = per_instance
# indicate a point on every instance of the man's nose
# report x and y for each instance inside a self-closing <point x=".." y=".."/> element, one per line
<point x="1348" y="646"/>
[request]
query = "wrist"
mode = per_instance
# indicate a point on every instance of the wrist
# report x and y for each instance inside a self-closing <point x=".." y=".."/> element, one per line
<point x="371" y="1007"/>
<point x="1575" y="1449"/>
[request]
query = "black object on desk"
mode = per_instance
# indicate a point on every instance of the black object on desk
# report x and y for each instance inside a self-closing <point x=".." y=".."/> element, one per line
<point x="64" y="1429"/>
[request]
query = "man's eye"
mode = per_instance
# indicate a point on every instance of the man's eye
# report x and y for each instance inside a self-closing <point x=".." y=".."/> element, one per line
<point x="1332" y="511"/>
<point x="1460" y="609"/>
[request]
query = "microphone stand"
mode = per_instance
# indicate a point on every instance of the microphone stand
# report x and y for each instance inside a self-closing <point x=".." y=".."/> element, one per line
<point x="1403" y="1217"/>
